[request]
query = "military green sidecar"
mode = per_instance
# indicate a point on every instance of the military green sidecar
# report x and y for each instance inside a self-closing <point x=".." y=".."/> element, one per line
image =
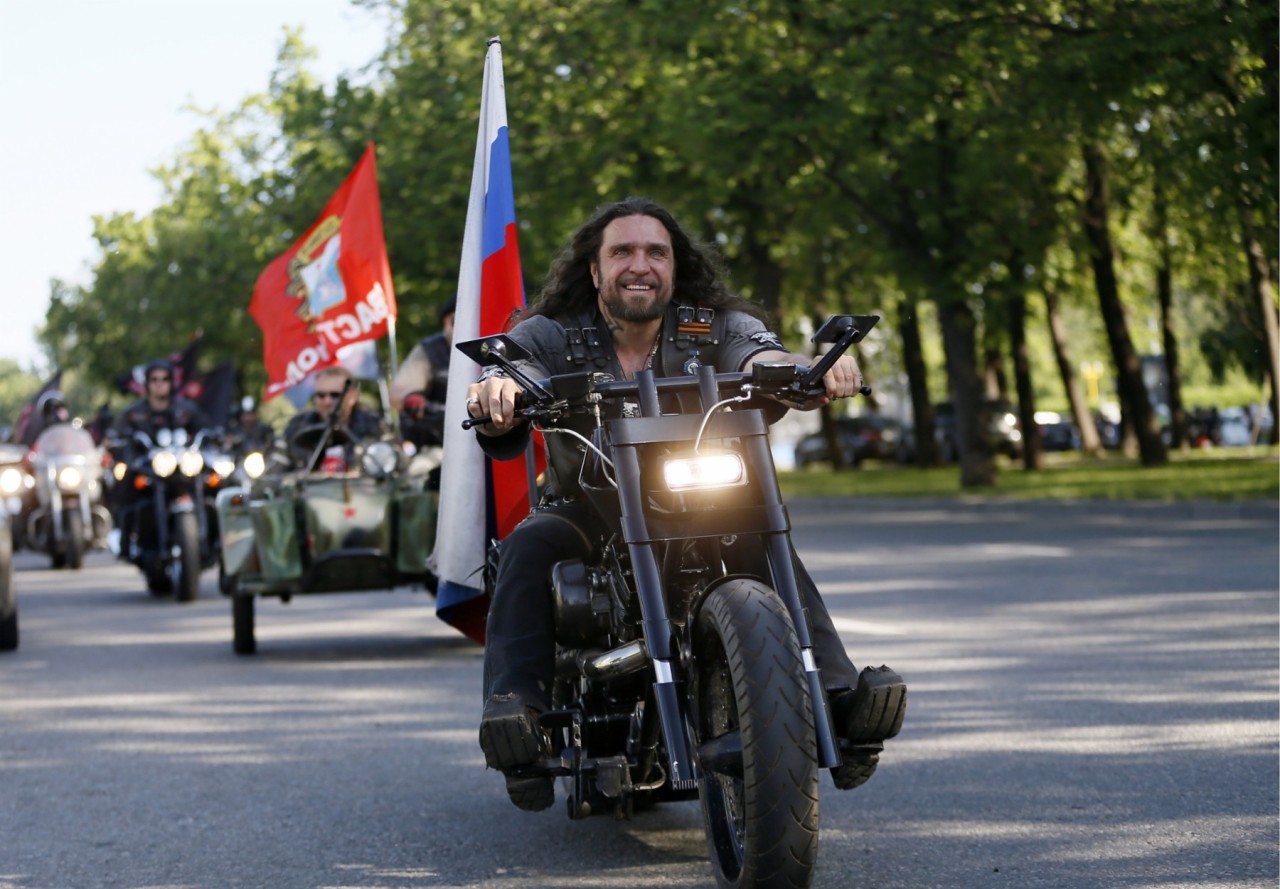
<point x="290" y="533"/>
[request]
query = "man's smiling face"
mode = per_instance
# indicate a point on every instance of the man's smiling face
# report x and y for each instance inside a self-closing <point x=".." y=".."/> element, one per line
<point x="636" y="269"/>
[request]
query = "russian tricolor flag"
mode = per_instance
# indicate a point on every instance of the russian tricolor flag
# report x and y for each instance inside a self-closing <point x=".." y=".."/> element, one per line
<point x="480" y="499"/>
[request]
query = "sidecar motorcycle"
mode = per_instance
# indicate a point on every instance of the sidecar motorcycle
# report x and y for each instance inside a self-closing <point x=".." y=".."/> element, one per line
<point x="364" y="527"/>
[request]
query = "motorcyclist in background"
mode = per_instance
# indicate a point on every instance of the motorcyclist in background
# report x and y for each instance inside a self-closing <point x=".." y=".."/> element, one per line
<point x="50" y="409"/>
<point x="422" y="382"/>
<point x="248" y="433"/>
<point x="352" y="422"/>
<point x="159" y="408"/>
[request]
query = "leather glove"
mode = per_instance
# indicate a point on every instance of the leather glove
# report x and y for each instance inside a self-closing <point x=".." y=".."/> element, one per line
<point x="415" y="405"/>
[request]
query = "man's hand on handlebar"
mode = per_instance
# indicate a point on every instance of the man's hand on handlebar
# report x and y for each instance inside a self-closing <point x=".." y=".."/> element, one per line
<point x="842" y="380"/>
<point x="496" y="399"/>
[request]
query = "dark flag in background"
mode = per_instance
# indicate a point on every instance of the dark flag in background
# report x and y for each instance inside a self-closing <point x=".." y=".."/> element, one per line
<point x="133" y="381"/>
<point x="211" y="390"/>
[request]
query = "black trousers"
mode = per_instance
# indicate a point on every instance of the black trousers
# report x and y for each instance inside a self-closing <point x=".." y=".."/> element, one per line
<point x="519" y="654"/>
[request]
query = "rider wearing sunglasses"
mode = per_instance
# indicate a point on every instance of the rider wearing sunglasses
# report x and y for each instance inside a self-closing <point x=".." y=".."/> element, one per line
<point x="336" y="390"/>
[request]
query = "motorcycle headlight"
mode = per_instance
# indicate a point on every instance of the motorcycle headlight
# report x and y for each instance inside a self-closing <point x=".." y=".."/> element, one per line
<point x="119" y="471"/>
<point x="254" y="465"/>
<point x="70" y="477"/>
<point x="191" y="463"/>
<point x="10" y="481"/>
<point x="704" y="472"/>
<point x="224" y="466"/>
<point x="164" y="463"/>
<point x="380" y="459"/>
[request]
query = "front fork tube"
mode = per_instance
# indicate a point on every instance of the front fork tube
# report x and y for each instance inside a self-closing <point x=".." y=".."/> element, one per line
<point x="658" y="632"/>
<point x="162" y="520"/>
<point x="784" y="584"/>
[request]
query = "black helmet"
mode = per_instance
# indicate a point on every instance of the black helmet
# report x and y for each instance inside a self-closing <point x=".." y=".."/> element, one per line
<point x="155" y="364"/>
<point x="49" y="404"/>
<point x="450" y="306"/>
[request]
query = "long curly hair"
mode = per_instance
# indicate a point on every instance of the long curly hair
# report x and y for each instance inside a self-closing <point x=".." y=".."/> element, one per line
<point x="699" y="277"/>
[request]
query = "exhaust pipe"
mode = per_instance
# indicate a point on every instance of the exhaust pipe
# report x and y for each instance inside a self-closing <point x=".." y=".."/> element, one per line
<point x="616" y="662"/>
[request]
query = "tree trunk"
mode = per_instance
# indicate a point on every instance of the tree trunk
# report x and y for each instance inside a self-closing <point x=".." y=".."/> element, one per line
<point x="766" y="276"/>
<point x="1032" y="444"/>
<point x="959" y="331"/>
<point x="922" y="422"/>
<point x="1128" y="369"/>
<point x="1264" y="297"/>
<point x="977" y="460"/>
<point x="1179" y="428"/>
<point x="994" y="383"/>
<point x="1090" y="443"/>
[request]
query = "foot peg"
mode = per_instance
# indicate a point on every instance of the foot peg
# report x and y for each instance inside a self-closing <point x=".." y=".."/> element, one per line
<point x="874" y="710"/>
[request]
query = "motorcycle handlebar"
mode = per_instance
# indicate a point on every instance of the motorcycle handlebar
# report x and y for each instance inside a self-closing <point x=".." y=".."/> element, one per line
<point x="783" y="387"/>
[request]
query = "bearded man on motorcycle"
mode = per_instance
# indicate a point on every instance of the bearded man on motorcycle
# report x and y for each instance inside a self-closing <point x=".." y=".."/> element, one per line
<point x="631" y="291"/>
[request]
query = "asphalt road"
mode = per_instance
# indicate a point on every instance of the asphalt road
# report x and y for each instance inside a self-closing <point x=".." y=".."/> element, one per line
<point x="1094" y="703"/>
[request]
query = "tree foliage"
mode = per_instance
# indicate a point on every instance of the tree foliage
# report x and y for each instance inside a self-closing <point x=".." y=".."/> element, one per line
<point x="843" y="156"/>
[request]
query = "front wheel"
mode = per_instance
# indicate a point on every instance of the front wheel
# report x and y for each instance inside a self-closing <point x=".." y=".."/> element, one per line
<point x="242" y="636"/>
<point x="8" y="598"/>
<point x="186" y="535"/>
<point x="753" y="721"/>
<point x="74" y="526"/>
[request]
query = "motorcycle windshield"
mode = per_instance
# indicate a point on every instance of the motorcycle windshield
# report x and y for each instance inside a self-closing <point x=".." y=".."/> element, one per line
<point x="63" y="440"/>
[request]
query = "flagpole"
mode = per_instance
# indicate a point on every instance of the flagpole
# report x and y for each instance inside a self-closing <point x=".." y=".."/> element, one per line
<point x="391" y="341"/>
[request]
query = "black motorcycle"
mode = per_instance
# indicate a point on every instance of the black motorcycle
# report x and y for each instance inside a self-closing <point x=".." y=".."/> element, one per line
<point x="685" y="665"/>
<point x="167" y="521"/>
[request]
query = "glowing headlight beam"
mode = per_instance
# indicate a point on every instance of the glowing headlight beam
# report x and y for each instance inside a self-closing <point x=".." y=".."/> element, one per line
<point x="254" y="465"/>
<point x="10" y="481"/>
<point x="69" y="478"/>
<point x="703" y="472"/>
<point x="164" y="463"/>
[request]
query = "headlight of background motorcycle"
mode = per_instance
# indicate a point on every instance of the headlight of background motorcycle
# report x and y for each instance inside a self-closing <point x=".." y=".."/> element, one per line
<point x="191" y="463"/>
<point x="380" y="459"/>
<point x="703" y="472"/>
<point x="69" y="478"/>
<point x="10" y="481"/>
<point x="164" y="463"/>
<point x="119" y="471"/>
<point x="224" y="466"/>
<point x="254" y="465"/>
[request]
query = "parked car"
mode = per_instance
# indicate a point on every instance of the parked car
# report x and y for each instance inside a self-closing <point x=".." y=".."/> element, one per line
<point x="1002" y="425"/>
<point x="1057" y="432"/>
<point x="1235" y="429"/>
<point x="869" y="437"/>
<point x="1110" y="432"/>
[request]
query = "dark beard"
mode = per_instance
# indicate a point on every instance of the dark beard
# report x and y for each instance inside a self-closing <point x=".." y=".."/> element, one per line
<point x="634" y="313"/>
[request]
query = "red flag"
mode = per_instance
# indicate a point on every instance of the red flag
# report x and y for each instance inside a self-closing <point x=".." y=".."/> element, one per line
<point x="330" y="289"/>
